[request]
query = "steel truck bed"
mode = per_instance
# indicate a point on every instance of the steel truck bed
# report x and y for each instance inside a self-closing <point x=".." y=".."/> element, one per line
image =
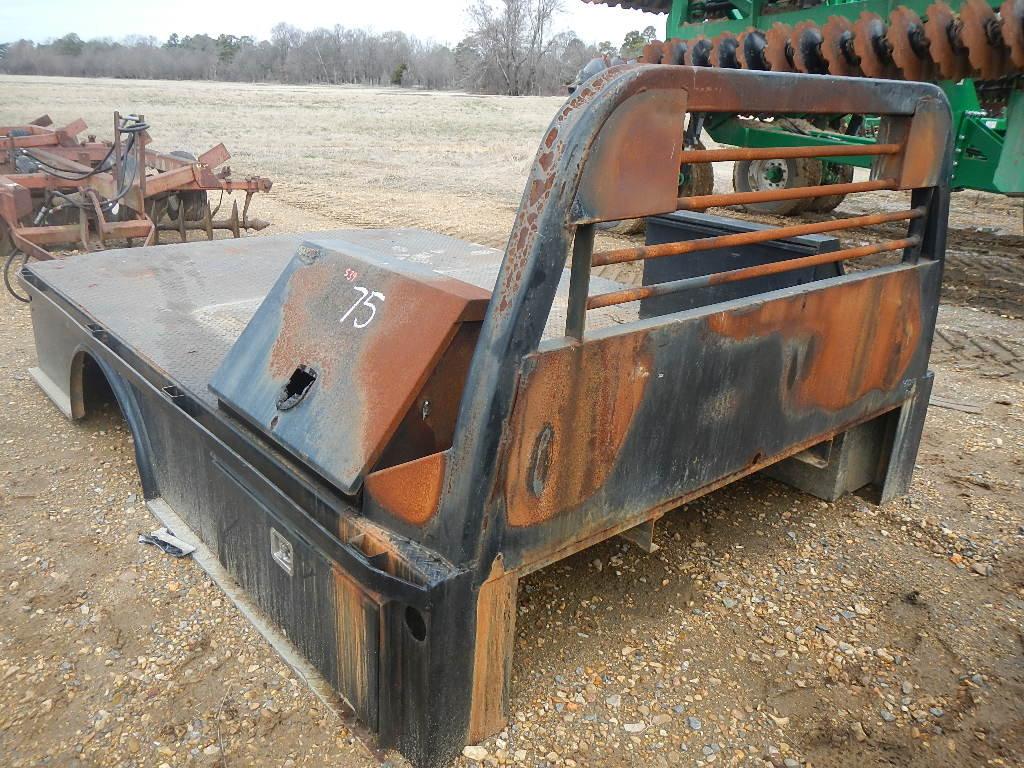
<point x="379" y="432"/>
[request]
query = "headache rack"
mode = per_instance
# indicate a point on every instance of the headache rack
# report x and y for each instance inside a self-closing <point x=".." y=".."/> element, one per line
<point x="379" y="432"/>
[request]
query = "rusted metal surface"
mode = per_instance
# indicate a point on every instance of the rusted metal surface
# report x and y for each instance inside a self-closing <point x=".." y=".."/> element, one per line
<point x="748" y="273"/>
<point x="328" y="389"/>
<point x="621" y="255"/>
<point x="843" y="367"/>
<point x="99" y="185"/>
<point x="703" y="202"/>
<point x="645" y="172"/>
<point x="945" y="44"/>
<point x="492" y="658"/>
<point x="575" y="411"/>
<point x="977" y="18"/>
<point x="409" y="491"/>
<point x="817" y="372"/>
<point x="419" y="443"/>
<point x="906" y="35"/>
<point x="771" y="153"/>
<point x="925" y="133"/>
<point x="357" y="620"/>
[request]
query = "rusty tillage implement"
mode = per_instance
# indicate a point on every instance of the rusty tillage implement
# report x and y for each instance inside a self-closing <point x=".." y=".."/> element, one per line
<point x="56" y="190"/>
<point x="976" y="40"/>
<point x="974" y="53"/>
<point x="380" y="432"/>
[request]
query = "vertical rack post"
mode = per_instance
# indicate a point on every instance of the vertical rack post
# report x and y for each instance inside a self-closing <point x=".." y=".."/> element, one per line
<point x="579" y="281"/>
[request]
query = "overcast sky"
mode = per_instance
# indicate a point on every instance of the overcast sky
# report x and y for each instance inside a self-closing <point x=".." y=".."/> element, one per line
<point x="441" y="20"/>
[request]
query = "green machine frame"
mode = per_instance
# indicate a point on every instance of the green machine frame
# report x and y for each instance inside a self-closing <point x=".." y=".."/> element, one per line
<point x="989" y="145"/>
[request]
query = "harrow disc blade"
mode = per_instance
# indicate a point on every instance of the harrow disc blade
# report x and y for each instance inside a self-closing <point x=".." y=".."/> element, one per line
<point x="752" y="49"/>
<point x="1012" y="14"/>
<point x="909" y="45"/>
<point x="651" y="53"/>
<point x="987" y="56"/>
<point x="871" y="46"/>
<point x="807" y="41"/>
<point x="673" y="51"/>
<point x="699" y="54"/>
<point x="724" y="51"/>
<point x="837" y="47"/>
<point x="778" y="52"/>
<point x="942" y="29"/>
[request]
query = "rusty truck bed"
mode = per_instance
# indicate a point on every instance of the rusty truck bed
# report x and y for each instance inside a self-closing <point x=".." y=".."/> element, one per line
<point x="380" y="432"/>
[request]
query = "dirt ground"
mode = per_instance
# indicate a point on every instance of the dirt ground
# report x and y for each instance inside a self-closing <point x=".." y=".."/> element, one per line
<point x="770" y="628"/>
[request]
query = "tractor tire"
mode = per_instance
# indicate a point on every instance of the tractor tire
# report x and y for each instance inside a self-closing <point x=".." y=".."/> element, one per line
<point x="700" y="178"/>
<point x="763" y="175"/>
<point x="831" y="173"/>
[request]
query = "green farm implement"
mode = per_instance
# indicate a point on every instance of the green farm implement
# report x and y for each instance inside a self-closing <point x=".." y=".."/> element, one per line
<point x="975" y="54"/>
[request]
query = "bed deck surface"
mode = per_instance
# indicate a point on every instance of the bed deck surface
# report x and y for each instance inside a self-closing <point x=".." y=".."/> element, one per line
<point x="181" y="306"/>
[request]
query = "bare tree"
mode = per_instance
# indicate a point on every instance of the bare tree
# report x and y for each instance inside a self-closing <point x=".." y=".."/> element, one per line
<point x="510" y="40"/>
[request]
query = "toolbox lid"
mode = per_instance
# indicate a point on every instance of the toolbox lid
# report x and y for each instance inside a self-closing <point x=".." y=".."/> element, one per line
<point x="337" y="352"/>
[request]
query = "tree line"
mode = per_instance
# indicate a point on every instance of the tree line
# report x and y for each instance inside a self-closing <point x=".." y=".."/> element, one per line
<point x="512" y="48"/>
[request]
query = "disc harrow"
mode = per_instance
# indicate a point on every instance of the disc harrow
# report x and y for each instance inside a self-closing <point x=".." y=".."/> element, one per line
<point x="972" y="42"/>
<point x="982" y="35"/>
<point x="973" y="52"/>
<point x="57" y="190"/>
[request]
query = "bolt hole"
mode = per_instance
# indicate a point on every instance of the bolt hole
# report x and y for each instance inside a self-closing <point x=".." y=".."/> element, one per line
<point x="415" y="624"/>
<point x="757" y="458"/>
<point x="298" y="387"/>
<point x="273" y="421"/>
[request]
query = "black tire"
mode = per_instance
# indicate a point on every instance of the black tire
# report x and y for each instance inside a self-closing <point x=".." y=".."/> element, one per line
<point x="831" y="173"/>
<point x="762" y="175"/>
<point x="699" y="178"/>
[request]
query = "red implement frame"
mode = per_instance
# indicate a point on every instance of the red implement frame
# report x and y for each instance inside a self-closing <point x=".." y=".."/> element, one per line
<point x="56" y="190"/>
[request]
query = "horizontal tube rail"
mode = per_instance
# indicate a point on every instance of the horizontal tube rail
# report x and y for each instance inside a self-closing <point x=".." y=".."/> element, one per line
<point x="620" y="255"/>
<point x="746" y="273"/>
<point x="703" y="202"/>
<point x="784" y="153"/>
<point x="72" y="233"/>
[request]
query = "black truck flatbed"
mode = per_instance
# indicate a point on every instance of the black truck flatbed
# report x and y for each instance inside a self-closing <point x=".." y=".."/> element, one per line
<point x="379" y="432"/>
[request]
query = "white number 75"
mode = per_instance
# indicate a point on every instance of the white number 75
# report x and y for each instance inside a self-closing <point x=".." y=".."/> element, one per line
<point x="365" y="299"/>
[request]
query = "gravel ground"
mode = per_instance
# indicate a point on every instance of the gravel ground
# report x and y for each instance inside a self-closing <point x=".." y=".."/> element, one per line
<point x="769" y="629"/>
